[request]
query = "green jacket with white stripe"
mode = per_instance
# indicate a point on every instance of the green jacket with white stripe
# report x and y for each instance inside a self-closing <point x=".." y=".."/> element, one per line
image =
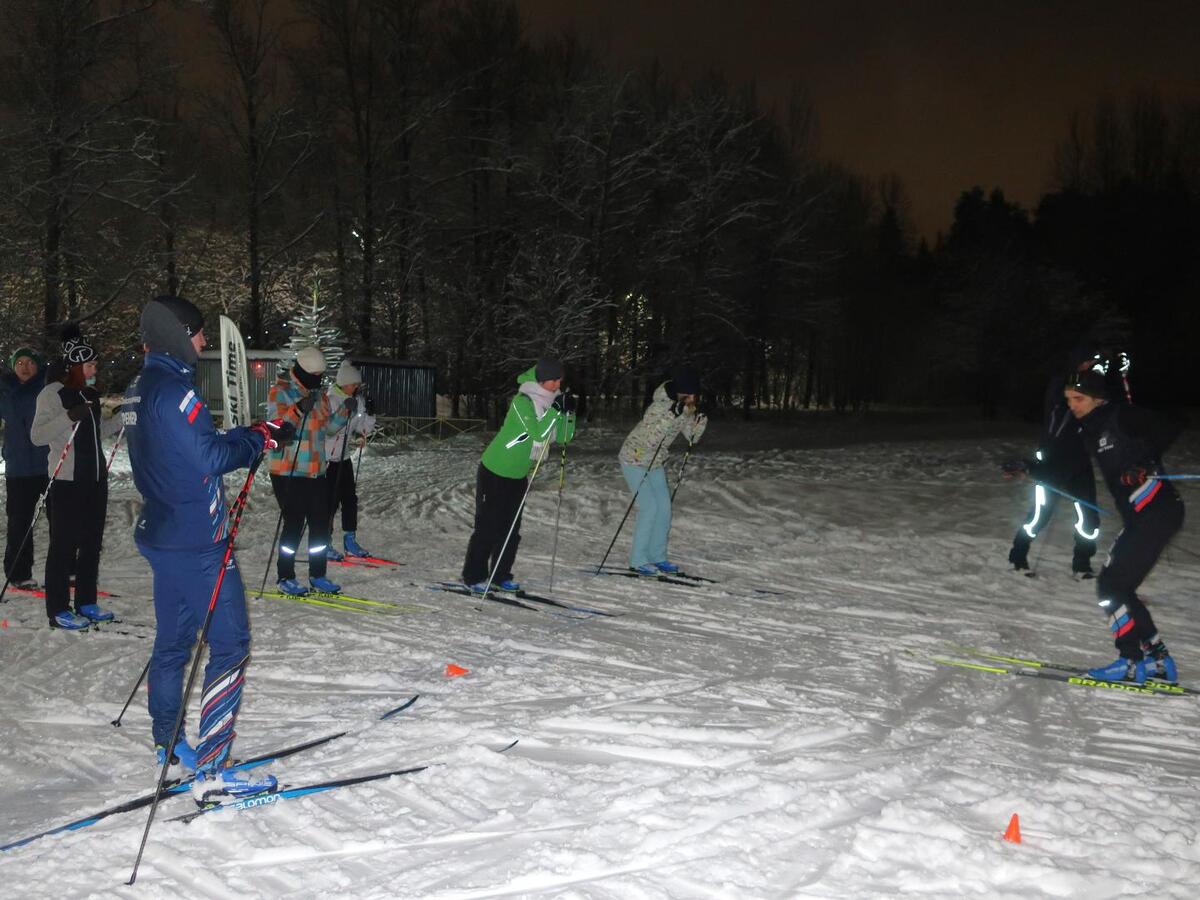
<point x="512" y="452"/>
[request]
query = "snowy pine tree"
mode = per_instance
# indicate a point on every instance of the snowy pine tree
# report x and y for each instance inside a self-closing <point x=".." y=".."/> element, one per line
<point x="313" y="328"/>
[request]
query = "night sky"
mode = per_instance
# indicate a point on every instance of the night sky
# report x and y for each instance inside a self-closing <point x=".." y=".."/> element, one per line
<point x="945" y="93"/>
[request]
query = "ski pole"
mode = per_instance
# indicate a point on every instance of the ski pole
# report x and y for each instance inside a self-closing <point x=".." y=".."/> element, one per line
<point x="240" y="506"/>
<point x="283" y="501"/>
<point x="116" y="446"/>
<point x="116" y="723"/>
<point x="512" y="527"/>
<point x="683" y="468"/>
<point x="562" y="477"/>
<point x="1175" y="477"/>
<point x="37" y="511"/>
<point x="632" y="500"/>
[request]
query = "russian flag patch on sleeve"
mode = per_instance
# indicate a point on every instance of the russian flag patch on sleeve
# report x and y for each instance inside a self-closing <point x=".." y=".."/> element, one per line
<point x="190" y="406"/>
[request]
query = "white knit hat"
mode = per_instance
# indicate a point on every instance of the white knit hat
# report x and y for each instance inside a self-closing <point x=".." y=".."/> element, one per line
<point x="311" y="360"/>
<point x="347" y="373"/>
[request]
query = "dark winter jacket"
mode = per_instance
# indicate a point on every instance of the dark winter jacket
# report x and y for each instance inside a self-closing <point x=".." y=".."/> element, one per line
<point x="1063" y="460"/>
<point x="18" y="402"/>
<point x="178" y="457"/>
<point x="1120" y="437"/>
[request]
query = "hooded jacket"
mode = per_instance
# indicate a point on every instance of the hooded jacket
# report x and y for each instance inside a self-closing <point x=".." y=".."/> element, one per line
<point x="178" y="457"/>
<point x="361" y="423"/>
<point x="659" y="426"/>
<point x="525" y="428"/>
<point x="322" y="422"/>
<point x="18" y="403"/>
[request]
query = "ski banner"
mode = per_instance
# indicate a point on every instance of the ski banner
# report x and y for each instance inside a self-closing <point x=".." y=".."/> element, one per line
<point x="235" y="397"/>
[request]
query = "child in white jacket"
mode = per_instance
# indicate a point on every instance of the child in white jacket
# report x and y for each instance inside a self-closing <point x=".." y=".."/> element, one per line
<point x="340" y="472"/>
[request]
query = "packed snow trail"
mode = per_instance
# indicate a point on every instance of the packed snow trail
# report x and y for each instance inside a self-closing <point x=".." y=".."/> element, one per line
<point x="711" y="741"/>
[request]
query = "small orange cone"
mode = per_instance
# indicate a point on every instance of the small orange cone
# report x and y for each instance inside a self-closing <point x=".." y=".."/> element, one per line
<point x="4" y="624"/>
<point x="1013" y="832"/>
<point x="453" y="671"/>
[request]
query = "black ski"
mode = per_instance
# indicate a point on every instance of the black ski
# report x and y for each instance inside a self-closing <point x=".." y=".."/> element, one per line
<point x="453" y="587"/>
<point x="286" y="792"/>
<point x="179" y="785"/>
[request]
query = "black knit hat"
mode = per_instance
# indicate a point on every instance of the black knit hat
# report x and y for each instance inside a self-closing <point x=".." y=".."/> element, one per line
<point x="78" y="350"/>
<point x="1088" y="382"/>
<point x="685" y="381"/>
<point x="185" y="311"/>
<point x="548" y="369"/>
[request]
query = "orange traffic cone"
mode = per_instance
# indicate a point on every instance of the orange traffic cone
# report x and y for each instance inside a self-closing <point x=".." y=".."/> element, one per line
<point x="453" y="671"/>
<point x="1013" y="832"/>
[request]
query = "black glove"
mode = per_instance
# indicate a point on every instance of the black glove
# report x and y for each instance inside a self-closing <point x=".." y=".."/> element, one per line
<point x="678" y="407"/>
<point x="307" y="402"/>
<point x="351" y="405"/>
<point x="282" y="431"/>
<point x="1134" y="476"/>
<point x="564" y="403"/>
<point x="89" y="394"/>
<point x="79" y="411"/>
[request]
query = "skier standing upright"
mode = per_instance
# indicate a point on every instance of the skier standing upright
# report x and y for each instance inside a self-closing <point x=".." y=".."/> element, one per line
<point x="298" y="471"/>
<point x="340" y="475"/>
<point x="1063" y="462"/>
<point x="78" y="499"/>
<point x="671" y="412"/>
<point x="539" y="413"/>
<point x="1127" y="443"/>
<point x="25" y="476"/>
<point x="178" y="458"/>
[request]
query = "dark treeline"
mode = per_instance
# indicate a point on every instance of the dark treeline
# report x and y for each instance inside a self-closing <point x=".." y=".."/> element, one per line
<point x="463" y="195"/>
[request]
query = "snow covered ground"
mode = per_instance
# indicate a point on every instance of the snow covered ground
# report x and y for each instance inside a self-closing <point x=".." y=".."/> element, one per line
<point x="709" y="742"/>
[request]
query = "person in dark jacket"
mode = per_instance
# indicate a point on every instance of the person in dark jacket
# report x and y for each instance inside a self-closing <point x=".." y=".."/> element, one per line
<point x="69" y="420"/>
<point x="178" y="458"/>
<point x="1062" y="462"/>
<point x="1127" y="443"/>
<point x="25" y="477"/>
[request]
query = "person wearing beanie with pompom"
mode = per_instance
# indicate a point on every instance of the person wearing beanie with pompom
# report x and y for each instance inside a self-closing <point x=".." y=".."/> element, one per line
<point x="643" y="456"/>
<point x="298" y="470"/>
<point x="339" y="474"/>
<point x="539" y="413"/>
<point x="25" y="475"/>
<point x="78" y="499"/>
<point x="1127" y="443"/>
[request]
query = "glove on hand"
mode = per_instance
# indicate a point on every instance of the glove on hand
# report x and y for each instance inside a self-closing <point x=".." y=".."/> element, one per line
<point x="351" y="405"/>
<point x="564" y="403"/>
<point x="678" y="407"/>
<point x="1134" y="476"/>
<point x="307" y="402"/>
<point x="79" y="411"/>
<point x="90" y="394"/>
<point x="275" y="433"/>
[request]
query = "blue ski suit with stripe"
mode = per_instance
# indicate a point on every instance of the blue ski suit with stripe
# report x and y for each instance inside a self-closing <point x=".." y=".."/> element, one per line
<point x="178" y="458"/>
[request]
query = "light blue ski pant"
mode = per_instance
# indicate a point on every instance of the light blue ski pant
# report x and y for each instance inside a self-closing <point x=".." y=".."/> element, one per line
<point x="653" y="524"/>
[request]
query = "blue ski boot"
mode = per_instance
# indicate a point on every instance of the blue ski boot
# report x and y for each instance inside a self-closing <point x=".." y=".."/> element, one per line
<point x="333" y="554"/>
<point x="509" y="585"/>
<point x="292" y="586"/>
<point x="94" y="613"/>
<point x="667" y="567"/>
<point x="226" y="785"/>
<point x="647" y="569"/>
<point x="478" y="587"/>
<point x="184" y="755"/>
<point x="353" y="548"/>
<point x="325" y="586"/>
<point x="70" y="621"/>
<point x="1121" y="669"/>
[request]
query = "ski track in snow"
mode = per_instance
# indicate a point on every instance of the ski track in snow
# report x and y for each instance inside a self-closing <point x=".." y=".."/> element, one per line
<point x="708" y="742"/>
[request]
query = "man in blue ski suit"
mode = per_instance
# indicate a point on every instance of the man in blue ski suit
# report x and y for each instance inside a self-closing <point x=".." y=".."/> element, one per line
<point x="178" y="458"/>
